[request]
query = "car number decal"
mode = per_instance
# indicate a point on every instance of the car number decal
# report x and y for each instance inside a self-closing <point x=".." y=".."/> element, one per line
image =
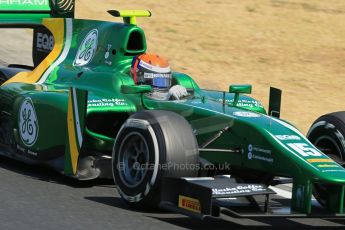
<point x="304" y="149"/>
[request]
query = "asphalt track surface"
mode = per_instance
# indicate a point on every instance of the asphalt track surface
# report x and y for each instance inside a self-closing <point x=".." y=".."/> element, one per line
<point x="33" y="197"/>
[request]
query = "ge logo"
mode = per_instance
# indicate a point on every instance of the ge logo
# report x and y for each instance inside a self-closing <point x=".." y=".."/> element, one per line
<point x="28" y="124"/>
<point x="87" y="49"/>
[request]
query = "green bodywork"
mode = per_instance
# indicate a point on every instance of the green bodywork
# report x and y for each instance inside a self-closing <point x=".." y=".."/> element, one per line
<point x="262" y="143"/>
<point x="22" y="9"/>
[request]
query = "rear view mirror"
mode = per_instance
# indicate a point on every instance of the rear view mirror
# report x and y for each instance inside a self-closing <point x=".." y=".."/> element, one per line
<point x="237" y="89"/>
<point x="240" y="89"/>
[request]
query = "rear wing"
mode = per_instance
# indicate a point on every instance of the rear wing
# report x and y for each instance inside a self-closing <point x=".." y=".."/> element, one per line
<point x="36" y="9"/>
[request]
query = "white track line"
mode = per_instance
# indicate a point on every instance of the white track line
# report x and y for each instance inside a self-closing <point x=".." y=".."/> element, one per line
<point x="285" y="193"/>
<point x="282" y="192"/>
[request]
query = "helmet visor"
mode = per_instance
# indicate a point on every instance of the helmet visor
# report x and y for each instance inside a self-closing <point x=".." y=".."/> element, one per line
<point x="159" y="80"/>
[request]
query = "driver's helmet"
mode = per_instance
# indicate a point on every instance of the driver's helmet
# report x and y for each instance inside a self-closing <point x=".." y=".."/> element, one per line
<point x="151" y="69"/>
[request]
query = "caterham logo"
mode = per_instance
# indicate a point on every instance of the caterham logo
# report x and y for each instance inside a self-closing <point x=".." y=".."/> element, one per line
<point x="25" y="2"/>
<point x="28" y="124"/>
<point x="87" y="49"/>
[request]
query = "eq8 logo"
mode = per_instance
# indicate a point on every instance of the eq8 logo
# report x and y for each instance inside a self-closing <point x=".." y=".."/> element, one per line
<point x="28" y="124"/>
<point x="87" y="49"/>
<point x="45" y="42"/>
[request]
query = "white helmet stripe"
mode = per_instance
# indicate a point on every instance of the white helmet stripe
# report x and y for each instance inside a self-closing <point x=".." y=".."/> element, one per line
<point x="156" y="69"/>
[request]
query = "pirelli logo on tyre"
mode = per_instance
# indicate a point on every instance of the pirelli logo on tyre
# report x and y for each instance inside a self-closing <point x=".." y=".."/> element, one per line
<point x="188" y="203"/>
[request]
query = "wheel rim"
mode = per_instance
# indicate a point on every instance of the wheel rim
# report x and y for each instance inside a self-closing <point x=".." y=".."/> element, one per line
<point x="133" y="159"/>
<point x="329" y="147"/>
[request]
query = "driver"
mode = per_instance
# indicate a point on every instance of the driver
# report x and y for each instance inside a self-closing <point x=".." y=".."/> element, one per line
<point x="151" y="69"/>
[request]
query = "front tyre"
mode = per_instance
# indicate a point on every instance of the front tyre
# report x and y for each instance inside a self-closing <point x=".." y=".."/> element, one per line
<point x="149" y="146"/>
<point x="328" y="134"/>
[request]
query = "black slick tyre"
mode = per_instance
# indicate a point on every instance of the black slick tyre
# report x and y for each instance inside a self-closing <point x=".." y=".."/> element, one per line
<point x="149" y="146"/>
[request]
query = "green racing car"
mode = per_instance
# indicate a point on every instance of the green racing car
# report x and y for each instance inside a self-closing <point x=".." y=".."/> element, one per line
<point x="78" y="111"/>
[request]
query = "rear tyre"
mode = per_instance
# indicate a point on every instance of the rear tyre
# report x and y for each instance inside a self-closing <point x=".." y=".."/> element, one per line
<point x="149" y="146"/>
<point x="328" y="134"/>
